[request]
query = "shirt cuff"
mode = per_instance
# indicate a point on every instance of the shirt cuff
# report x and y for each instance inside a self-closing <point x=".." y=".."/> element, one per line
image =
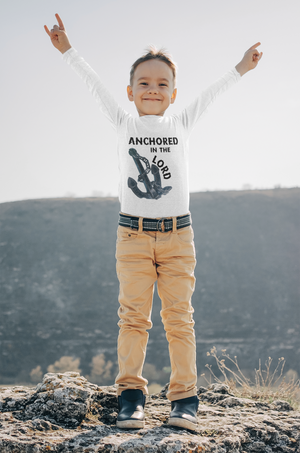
<point x="237" y="74"/>
<point x="69" y="53"/>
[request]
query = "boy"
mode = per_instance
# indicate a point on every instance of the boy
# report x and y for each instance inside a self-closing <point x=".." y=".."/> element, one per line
<point x="155" y="236"/>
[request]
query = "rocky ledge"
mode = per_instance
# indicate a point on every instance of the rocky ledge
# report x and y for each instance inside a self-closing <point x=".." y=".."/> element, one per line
<point x="66" y="413"/>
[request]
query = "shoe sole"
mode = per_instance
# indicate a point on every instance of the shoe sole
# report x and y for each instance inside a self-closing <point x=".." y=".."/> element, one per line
<point x="182" y="423"/>
<point x="130" y="424"/>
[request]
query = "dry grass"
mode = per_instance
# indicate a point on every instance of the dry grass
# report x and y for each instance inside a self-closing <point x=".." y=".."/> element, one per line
<point x="268" y="386"/>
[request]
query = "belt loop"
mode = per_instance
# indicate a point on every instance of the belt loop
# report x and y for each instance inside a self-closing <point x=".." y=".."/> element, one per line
<point x="174" y="229"/>
<point x="140" y="224"/>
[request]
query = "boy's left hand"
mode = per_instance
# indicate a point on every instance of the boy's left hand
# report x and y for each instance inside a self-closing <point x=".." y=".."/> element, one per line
<point x="250" y="59"/>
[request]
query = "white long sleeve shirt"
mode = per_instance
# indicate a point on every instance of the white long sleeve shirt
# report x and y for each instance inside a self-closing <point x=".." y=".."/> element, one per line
<point x="152" y="150"/>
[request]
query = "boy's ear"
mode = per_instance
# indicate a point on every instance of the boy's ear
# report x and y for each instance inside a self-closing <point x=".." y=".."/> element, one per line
<point x="173" y="97"/>
<point x="129" y="93"/>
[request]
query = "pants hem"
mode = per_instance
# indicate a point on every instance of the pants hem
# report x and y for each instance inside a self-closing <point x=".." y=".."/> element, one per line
<point x="180" y="396"/>
<point x="119" y="391"/>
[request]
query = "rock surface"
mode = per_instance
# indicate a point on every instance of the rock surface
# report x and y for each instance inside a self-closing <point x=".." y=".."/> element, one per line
<point x="66" y="413"/>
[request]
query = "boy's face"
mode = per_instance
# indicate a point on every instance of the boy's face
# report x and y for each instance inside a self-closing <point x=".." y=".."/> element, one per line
<point x="152" y="89"/>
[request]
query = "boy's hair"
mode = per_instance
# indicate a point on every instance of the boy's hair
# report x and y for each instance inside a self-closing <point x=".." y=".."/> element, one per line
<point x="153" y="53"/>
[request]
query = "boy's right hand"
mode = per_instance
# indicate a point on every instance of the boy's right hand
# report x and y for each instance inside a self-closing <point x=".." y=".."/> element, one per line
<point x="58" y="36"/>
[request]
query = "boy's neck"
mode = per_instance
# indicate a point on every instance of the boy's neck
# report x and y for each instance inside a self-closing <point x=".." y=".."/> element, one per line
<point x="146" y="114"/>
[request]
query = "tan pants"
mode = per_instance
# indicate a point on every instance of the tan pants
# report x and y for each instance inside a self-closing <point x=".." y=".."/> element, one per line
<point x="142" y="259"/>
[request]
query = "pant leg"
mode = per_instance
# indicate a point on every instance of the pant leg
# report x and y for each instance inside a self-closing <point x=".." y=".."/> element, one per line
<point x="136" y="272"/>
<point x="175" y="255"/>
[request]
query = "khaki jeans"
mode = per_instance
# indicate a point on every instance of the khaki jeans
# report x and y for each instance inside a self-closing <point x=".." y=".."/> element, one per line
<point x="143" y="258"/>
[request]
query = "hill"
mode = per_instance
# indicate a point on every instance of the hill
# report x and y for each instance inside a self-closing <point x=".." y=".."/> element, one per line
<point x="59" y="290"/>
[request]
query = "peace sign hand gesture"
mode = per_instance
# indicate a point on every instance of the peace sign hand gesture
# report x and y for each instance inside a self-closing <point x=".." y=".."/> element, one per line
<point x="58" y="36"/>
<point x="250" y="59"/>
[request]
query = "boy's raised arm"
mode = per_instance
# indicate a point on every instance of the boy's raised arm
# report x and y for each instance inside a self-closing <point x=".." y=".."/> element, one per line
<point x="199" y="107"/>
<point x="105" y="100"/>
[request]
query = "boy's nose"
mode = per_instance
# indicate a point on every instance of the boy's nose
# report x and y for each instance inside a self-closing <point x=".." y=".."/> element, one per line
<point x="152" y="89"/>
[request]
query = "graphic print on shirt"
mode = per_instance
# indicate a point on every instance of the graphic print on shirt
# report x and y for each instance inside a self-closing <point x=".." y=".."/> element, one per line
<point x="153" y="188"/>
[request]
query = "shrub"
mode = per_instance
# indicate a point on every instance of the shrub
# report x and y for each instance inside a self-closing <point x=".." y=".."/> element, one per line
<point x="268" y="386"/>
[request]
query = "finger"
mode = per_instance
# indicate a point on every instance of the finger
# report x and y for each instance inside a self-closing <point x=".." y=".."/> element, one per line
<point x="47" y="30"/>
<point x="60" y="22"/>
<point x="254" y="45"/>
<point x="57" y="31"/>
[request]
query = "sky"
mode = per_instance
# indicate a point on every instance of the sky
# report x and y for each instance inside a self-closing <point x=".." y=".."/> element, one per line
<point x="54" y="140"/>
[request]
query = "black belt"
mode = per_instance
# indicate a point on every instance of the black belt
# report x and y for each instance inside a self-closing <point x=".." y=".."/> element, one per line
<point x="162" y="224"/>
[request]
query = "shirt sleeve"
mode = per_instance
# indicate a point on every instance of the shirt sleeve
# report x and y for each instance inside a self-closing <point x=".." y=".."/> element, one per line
<point x="199" y="107"/>
<point x="107" y="103"/>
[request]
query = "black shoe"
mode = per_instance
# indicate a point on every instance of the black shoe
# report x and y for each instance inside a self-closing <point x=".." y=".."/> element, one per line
<point x="131" y="409"/>
<point x="184" y="413"/>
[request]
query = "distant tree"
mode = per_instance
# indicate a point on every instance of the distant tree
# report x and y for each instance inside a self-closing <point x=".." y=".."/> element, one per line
<point x="65" y="363"/>
<point x="155" y="376"/>
<point x="101" y="370"/>
<point x="36" y="374"/>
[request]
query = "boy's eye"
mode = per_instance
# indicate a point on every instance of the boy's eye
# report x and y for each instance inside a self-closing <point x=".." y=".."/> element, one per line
<point x="161" y="84"/>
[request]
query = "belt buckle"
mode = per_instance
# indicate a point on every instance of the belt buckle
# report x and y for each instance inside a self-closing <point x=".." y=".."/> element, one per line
<point x="161" y="225"/>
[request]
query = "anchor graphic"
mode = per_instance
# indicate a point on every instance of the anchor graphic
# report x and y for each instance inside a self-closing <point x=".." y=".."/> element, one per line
<point x="153" y="188"/>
